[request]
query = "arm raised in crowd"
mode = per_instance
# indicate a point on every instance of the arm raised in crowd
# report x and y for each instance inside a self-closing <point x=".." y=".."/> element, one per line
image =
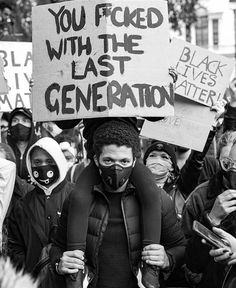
<point x="189" y="174"/>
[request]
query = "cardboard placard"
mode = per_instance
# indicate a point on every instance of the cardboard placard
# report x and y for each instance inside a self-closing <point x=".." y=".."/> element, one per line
<point x="188" y="128"/>
<point x="3" y="82"/>
<point x="97" y="59"/>
<point x="203" y="76"/>
<point x="17" y="62"/>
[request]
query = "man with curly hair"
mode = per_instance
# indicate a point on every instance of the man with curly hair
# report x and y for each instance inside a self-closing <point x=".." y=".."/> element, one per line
<point x="113" y="245"/>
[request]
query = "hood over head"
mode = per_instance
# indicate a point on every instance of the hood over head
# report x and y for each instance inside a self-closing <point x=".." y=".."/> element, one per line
<point x="54" y="150"/>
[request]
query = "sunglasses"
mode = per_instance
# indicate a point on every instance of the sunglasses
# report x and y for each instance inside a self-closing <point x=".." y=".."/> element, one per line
<point x="228" y="164"/>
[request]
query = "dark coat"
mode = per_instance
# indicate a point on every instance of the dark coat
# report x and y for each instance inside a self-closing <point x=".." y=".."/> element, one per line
<point x="24" y="243"/>
<point x="172" y="237"/>
<point x="197" y="206"/>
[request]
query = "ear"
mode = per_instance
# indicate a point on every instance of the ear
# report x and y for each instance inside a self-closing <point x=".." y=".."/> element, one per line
<point x="96" y="160"/>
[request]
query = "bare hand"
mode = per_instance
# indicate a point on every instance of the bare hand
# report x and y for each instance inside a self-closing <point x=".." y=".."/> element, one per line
<point x="222" y="255"/>
<point x="224" y="204"/>
<point x="219" y="108"/>
<point x="71" y="262"/>
<point x="155" y="254"/>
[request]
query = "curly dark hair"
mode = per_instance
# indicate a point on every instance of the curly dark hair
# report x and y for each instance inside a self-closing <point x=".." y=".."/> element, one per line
<point x="117" y="133"/>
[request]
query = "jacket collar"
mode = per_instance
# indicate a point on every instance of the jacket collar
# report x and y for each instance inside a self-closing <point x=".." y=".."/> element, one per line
<point x="100" y="189"/>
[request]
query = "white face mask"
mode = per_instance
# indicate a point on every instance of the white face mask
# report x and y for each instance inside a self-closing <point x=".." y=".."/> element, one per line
<point x="160" y="168"/>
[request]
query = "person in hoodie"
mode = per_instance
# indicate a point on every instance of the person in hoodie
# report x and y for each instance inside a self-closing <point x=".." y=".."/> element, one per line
<point x="34" y="218"/>
<point x="20" y="137"/>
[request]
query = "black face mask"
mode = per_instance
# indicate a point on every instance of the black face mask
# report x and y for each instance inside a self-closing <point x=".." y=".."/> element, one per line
<point x="115" y="175"/>
<point x="20" y="132"/>
<point x="45" y="175"/>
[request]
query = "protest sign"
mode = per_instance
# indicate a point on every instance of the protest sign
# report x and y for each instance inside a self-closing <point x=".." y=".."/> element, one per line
<point x="3" y="82"/>
<point x="188" y="128"/>
<point x="17" y="62"/>
<point x="96" y="59"/>
<point x="203" y="76"/>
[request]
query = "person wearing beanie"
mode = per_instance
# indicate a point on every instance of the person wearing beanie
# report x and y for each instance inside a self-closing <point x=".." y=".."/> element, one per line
<point x="21" y="136"/>
<point x="114" y="247"/>
<point x="161" y="160"/>
<point x="34" y="218"/>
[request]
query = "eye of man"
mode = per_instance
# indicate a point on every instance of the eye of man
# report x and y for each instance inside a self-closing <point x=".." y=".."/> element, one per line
<point x="37" y="162"/>
<point x="26" y="120"/>
<point x="50" y="161"/>
<point x="125" y="162"/>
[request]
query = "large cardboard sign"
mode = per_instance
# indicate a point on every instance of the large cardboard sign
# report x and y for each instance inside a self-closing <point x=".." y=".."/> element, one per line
<point x="3" y="82"/>
<point x="17" y="62"/>
<point x="98" y="59"/>
<point x="188" y="128"/>
<point x="203" y="76"/>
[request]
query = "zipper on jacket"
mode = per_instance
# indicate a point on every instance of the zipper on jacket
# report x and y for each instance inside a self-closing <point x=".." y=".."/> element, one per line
<point x="127" y="235"/>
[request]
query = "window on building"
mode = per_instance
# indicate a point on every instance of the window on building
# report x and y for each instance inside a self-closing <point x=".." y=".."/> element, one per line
<point x="215" y="30"/>
<point x="202" y="31"/>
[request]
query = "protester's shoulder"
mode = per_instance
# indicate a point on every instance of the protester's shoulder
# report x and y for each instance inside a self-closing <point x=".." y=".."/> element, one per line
<point x="69" y="186"/>
<point x="198" y="197"/>
<point x="22" y="204"/>
<point x="166" y="201"/>
<point x="199" y="191"/>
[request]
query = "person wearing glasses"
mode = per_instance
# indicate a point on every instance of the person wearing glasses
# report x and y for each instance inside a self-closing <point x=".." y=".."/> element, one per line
<point x="212" y="203"/>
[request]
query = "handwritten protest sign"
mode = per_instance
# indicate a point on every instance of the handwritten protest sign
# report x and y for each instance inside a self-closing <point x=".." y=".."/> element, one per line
<point x="3" y="82"/>
<point x="203" y="76"/>
<point x="17" y="61"/>
<point x="188" y="128"/>
<point x="96" y="59"/>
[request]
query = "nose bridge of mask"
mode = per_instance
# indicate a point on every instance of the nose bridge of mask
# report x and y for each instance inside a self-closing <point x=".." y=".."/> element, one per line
<point x="116" y="166"/>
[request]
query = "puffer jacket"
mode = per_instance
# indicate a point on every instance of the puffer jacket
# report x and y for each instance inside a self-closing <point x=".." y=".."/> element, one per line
<point x="197" y="206"/>
<point x="172" y="237"/>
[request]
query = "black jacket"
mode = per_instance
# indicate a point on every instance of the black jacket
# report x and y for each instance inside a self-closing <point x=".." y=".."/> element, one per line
<point x="172" y="237"/>
<point x="24" y="244"/>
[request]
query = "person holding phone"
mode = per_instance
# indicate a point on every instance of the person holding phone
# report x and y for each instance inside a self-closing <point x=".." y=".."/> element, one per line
<point x="222" y="255"/>
<point x="212" y="204"/>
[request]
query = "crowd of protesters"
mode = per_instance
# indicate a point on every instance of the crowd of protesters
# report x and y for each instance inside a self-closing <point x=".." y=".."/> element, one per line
<point x="83" y="205"/>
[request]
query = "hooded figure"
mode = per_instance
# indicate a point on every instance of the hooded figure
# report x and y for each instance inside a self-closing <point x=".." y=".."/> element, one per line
<point x="20" y="137"/>
<point x="34" y="218"/>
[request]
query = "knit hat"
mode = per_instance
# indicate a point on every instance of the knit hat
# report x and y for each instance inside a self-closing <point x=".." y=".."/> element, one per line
<point x="162" y="146"/>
